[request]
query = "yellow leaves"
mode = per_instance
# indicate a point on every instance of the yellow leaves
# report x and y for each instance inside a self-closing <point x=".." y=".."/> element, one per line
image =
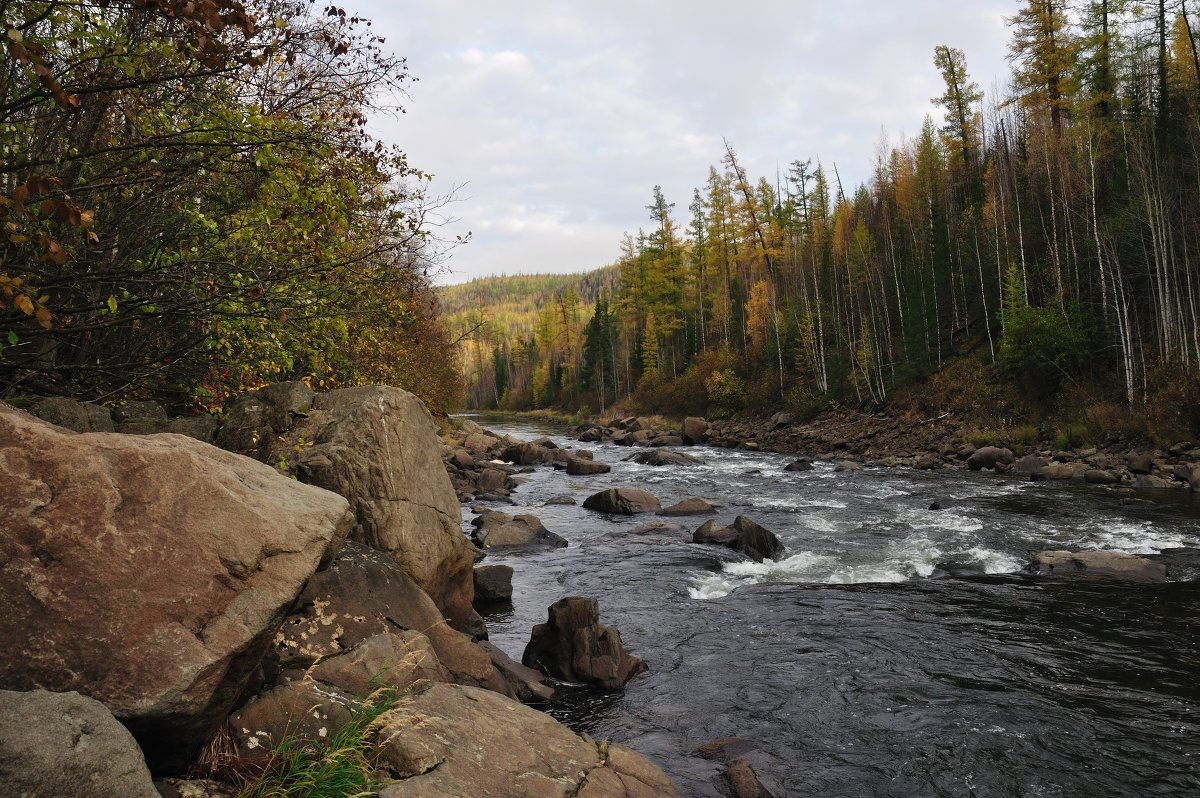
<point x="112" y="304"/>
<point x="23" y="302"/>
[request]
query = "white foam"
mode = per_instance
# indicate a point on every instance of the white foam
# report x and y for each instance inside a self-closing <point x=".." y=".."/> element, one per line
<point x="803" y="566"/>
<point x="1135" y="538"/>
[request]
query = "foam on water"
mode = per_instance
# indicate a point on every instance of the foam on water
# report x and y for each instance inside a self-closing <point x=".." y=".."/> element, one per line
<point x="1136" y="538"/>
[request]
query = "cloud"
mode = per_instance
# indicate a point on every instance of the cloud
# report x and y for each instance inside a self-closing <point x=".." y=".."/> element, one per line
<point x="561" y="117"/>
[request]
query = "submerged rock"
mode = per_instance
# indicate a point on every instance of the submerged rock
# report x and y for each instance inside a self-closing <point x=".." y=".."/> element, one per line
<point x="691" y="506"/>
<point x="1113" y="564"/>
<point x="522" y="530"/>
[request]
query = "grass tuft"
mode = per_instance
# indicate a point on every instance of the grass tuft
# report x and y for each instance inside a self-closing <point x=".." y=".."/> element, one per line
<point x="340" y="767"/>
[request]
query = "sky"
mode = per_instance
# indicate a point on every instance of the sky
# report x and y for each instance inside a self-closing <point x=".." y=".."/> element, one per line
<point x="551" y="122"/>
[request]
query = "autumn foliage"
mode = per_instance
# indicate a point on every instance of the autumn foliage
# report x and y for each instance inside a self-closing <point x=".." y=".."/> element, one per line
<point x="192" y="205"/>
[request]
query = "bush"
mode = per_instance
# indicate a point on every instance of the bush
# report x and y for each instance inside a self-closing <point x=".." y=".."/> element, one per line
<point x="726" y="392"/>
<point x="1072" y="436"/>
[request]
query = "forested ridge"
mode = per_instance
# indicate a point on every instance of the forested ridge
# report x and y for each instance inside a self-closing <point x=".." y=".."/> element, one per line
<point x="192" y="206"/>
<point x="1034" y="255"/>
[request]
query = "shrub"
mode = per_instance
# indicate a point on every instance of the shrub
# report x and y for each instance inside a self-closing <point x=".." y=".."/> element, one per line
<point x="1072" y="436"/>
<point x="726" y="392"/>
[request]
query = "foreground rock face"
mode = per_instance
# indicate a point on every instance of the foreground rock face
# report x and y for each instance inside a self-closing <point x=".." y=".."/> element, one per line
<point x="67" y="746"/>
<point x="622" y="501"/>
<point x="377" y="447"/>
<point x="1112" y="564"/>
<point x="448" y="742"/>
<point x="364" y="593"/>
<point x="148" y="572"/>
<point x="573" y="646"/>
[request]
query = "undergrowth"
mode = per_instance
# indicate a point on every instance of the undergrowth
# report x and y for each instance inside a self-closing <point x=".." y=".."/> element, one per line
<point x="341" y="766"/>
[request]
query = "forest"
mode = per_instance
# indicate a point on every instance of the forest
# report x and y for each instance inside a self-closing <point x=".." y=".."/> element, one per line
<point x="192" y="205"/>
<point x="1035" y="255"/>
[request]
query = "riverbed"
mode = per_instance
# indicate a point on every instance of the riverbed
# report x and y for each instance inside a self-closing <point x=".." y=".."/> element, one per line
<point x="894" y="649"/>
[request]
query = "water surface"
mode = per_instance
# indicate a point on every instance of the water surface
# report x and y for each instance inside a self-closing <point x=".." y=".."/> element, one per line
<point x="894" y="650"/>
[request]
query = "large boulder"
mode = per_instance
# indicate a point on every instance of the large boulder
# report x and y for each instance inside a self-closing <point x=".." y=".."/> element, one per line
<point x="523" y="530"/>
<point x="364" y="593"/>
<point x="622" y="501"/>
<point x="578" y="466"/>
<point x="573" y="646"/>
<point x="493" y="584"/>
<point x="75" y="416"/>
<point x="1189" y="473"/>
<point x="744" y="535"/>
<point x="1112" y="564"/>
<point x="664" y="457"/>
<point x="314" y="704"/>
<point x="694" y="430"/>
<point x="527" y="454"/>
<point x="148" y="572"/>
<point x="377" y="446"/>
<point x="67" y="745"/>
<point x="992" y="457"/>
<point x="527" y="684"/>
<point x="445" y="741"/>
<point x="256" y="417"/>
<point x="301" y="709"/>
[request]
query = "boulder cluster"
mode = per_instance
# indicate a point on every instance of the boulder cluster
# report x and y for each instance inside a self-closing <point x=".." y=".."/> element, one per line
<point x="177" y="607"/>
<point x="899" y="440"/>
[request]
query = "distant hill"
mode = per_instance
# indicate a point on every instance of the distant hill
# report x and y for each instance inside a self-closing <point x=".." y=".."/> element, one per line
<point x="510" y="304"/>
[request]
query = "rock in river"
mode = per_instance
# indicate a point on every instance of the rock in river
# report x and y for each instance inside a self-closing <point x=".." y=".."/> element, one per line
<point x="622" y="501"/>
<point x="573" y="646"/>
<point x="664" y="457"/>
<point x="744" y="535"/>
<point x="1113" y="564"/>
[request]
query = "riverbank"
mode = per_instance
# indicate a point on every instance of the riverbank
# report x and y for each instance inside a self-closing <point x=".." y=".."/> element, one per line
<point x="943" y="441"/>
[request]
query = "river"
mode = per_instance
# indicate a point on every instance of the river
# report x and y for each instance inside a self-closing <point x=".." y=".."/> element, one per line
<point x="895" y="650"/>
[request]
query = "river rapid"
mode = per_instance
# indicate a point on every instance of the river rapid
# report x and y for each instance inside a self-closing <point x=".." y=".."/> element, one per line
<point x="895" y="650"/>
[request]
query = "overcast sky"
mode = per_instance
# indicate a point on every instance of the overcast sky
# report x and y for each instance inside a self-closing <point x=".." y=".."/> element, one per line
<point x="559" y="118"/>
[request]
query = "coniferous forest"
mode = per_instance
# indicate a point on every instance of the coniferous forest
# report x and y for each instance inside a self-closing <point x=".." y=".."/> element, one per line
<point x="1035" y="254"/>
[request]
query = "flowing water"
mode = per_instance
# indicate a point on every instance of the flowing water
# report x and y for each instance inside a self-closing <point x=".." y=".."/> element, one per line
<point x="895" y="650"/>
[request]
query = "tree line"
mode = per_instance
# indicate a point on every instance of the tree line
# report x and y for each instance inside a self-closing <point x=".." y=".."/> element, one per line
<point x="1050" y="232"/>
<point x="192" y="206"/>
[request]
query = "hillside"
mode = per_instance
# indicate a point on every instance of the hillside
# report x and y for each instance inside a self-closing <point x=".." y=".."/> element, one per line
<point x="491" y="315"/>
